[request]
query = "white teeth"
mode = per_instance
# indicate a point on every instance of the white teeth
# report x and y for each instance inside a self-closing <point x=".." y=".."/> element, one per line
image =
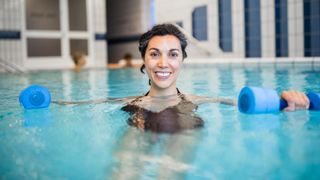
<point x="163" y="74"/>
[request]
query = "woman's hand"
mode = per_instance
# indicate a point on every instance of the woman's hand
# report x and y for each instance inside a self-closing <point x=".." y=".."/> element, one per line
<point x="296" y="100"/>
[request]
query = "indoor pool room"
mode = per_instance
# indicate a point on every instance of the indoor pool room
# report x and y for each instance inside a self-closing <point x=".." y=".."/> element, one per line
<point x="159" y="89"/>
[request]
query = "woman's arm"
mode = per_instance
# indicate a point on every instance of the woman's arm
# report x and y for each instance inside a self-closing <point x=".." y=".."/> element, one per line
<point x="97" y="101"/>
<point x="203" y="99"/>
<point x="296" y="100"/>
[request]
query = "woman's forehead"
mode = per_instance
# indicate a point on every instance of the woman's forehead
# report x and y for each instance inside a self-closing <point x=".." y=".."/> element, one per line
<point x="169" y="41"/>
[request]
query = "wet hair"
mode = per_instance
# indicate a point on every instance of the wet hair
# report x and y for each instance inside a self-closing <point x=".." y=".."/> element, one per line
<point x="161" y="30"/>
<point x="127" y="57"/>
<point x="76" y="56"/>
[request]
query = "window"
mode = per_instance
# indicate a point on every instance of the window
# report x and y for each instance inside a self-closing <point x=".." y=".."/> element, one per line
<point x="252" y="28"/>
<point x="77" y="15"/>
<point x="41" y="47"/>
<point x="42" y="15"/>
<point x="311" y="28"/>
<point x="225" y="25"/>
<point x="281" y="28"/>
<point x="199" y="23"/>
<point x="79" y="45"/>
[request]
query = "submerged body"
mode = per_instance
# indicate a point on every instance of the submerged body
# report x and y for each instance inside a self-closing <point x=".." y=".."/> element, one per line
<point x="161" y="114"/>
<point x="168" y="114"/>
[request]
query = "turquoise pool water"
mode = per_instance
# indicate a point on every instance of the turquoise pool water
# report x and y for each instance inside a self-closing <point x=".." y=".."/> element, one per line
<point x="94" y="141"/>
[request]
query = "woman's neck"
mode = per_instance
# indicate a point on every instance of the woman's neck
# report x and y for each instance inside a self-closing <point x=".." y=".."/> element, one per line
<point x="156" y="92"/>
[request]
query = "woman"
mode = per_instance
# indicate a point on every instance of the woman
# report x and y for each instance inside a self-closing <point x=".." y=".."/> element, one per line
<point x="164" y="108"/>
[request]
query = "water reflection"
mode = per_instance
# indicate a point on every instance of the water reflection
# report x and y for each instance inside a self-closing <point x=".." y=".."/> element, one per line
<point x="282" y="80"/>
<point x="226" y="79"/>
<point x="37" y="118"/>
<point x="126" y="82"/>
<point x="259" y="122"/>
<point x="140" y="154"/>
<point x="79" y="86"/>
<point x="312" y="80"/>
<point x="253" y="76"/>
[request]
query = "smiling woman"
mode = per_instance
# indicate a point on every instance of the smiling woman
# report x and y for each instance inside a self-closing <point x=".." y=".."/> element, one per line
<point x="163" y="60"/>
<point x="164" y="109"/>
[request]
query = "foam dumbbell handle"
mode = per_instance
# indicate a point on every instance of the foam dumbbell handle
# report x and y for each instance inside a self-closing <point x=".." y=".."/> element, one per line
<point x="314" y="99"/>
<point x="283" y="104"/>
<point x="35" y="97"/>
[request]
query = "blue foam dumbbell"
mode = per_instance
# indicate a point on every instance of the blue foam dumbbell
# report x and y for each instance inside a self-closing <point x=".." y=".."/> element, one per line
<point x="35" y="97"/>
<point x="255" y="100"/>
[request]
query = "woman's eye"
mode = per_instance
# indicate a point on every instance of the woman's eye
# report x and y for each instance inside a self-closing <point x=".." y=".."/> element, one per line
<point x="174" y="55"/>
<point x="154" y="54"/>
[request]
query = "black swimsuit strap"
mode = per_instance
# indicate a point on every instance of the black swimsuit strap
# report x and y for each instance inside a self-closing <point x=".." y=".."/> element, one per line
<point x="178" y="92"/>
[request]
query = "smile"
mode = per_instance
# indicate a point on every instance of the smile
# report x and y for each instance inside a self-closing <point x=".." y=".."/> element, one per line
<point x="162" y="75"/>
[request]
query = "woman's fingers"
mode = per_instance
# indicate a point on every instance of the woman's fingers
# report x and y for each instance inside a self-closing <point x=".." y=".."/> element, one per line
<point x="290" y="107"/>
<point x="296" y="100"/>
<point x="304" y="101"/>
<point x="286" y="95"/>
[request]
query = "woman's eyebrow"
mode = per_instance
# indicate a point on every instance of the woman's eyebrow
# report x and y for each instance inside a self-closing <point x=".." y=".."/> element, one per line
<point x="174" y="49"/>
<point x="153" y="49"/>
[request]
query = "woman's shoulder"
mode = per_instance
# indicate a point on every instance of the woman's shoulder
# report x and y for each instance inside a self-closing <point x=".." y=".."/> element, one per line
<point x="155" y="104"/>
<point x="196" y="99"/>
<point x="192" y="97"/>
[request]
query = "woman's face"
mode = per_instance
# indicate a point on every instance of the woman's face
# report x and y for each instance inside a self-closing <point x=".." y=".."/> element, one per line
<point x="163" y="60"/>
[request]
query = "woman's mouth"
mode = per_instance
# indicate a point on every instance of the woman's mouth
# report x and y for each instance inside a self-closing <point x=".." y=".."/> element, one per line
<point x="162" y="75"/>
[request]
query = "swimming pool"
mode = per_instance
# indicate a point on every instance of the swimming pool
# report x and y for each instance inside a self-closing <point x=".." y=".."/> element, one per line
<point x="94" y="141"/>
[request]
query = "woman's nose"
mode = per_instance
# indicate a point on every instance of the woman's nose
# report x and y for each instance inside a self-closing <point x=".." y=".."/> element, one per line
<point x="163" y="61"/>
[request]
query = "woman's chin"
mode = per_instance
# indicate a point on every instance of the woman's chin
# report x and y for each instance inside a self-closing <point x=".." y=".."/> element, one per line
<point x="163" y="84"/>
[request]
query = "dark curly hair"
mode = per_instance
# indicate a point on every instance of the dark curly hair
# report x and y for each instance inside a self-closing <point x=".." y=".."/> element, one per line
<point x="161" y="30"/>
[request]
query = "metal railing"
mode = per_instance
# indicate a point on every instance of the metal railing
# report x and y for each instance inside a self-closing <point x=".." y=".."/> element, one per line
<point x="10" y="67"/>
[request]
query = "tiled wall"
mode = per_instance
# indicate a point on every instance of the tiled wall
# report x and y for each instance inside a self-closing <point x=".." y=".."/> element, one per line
<point x="13" y="35"/>
<point x="10" y="24"/>
<point x="181" y="11"/>
<point x="295" y="28"/>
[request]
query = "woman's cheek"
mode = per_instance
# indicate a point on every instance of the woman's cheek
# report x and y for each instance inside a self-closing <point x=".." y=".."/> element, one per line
<point x="177" y="64"/>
